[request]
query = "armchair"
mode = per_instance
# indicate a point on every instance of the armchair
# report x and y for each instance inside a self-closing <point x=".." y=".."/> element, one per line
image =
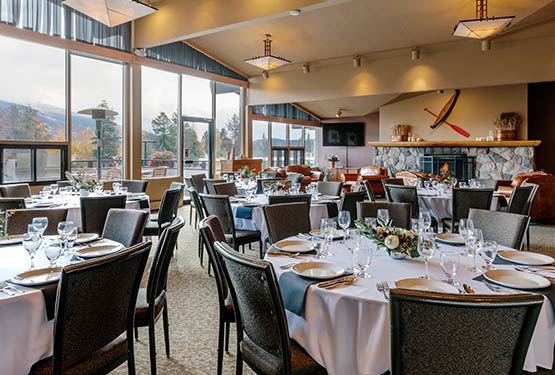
<point x="543" y="207"/>
<point x="374" y="175"/>
<point x="309" y="174"/>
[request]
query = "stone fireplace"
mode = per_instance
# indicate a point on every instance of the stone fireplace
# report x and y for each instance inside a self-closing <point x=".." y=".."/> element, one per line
<point x="459" y="165"/>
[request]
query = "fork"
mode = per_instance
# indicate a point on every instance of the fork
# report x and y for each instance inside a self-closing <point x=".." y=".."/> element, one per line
<point x="4" y="287"/>
<point x="380" y="287"/>
<point x="287" y="266"/>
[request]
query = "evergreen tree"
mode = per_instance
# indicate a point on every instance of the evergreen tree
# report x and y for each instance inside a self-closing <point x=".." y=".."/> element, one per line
<point x="233" y="133"/>
<point x="165" y="130"/>
<point x="191" y="141"/>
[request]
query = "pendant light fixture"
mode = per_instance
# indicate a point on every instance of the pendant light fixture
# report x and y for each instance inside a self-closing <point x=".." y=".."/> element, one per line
<point x="111" y="12"/>
<point x="268" y="61"/>
<point x="482" y="27"/>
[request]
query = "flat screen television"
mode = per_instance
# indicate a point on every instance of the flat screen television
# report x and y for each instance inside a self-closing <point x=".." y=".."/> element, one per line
<point x="344" y="134"/>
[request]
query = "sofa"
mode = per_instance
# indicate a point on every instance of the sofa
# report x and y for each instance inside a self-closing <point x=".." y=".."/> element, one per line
<point x="543" y="208"/>
<point x="372" y="174"/>
<point x="310" y="174"/>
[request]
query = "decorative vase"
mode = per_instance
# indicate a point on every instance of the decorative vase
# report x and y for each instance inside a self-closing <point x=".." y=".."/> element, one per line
<point x="397" y="255"/>
<point x="506" y="135"/>
<point x="332" y="164"/>
<point x="84" y="192"/>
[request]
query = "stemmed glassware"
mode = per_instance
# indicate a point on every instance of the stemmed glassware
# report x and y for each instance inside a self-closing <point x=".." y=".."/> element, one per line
<point x="318" y="246"/>
<point x="53" y="250"/>
<point x="116" y="186"/>
<point x="64" y="230"/>
<point x="295" y="188"/>
<point x="425" y="221"/>
<point x="372" y="222"/>
<point x="99" y="188"/>
<point x="475" y="242"/>
<point x="363" y="259"/>
<point x="344" y="221"/>
<point x="488" y="251"/>
<point x="382" y="215"/>
<point x="426" y="249"/>
<point x="449" y="261"/>
<point x="54" y="188"/>
<point x="40" y="223"/>
<point x="352" y="240"/>
<point x="31" y="242"/>
<point x="327" y="230"/>
<point x="415" y="226"/>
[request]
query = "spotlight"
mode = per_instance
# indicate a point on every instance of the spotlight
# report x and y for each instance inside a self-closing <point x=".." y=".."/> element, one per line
<point x="295" y="12"/>
<point x="486" y="45"/>
<point x="265" y="74"/>
<point x="415" y="54"/>
<point x="339" y="113"/>
<point x="439" y="92"/>
<point x="306" y="68"/>
<point x="356" y="61"/>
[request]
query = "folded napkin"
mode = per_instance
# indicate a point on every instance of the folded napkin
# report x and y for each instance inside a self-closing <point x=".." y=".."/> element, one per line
<point x="243" y="212"/>
<point x="293" y="291"/>
<point x="499" y="260"/>
<point x="49" y="292"/>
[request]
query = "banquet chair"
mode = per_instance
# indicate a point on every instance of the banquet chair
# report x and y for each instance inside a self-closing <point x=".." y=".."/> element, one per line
<point x="502" y="227"/>
<point x="189" y="184"/>
<point x="330" y="188"/>
<point x="17" y="222"/>
<point x="15" y="191"/>
<point x="195" y="199"/>
<point x="11" y="203"/>
<point x="262" y="333"/>
<point x="95" y="308"/>
<point x="460" y="334"/>
<point x="95" y="209"/>
<point x="211" y="231"/>
<point x="209" y="184"/>
<point x="166" y="213"/>
<point x="135" y="186"/>
<point x="278" y="199"/>
<point x="403" y="194"/>
<point x="369" y="191"/>
<point x="218" y="205"/>
<point x="522" y="198"/>
<point x="349" y="203"/>
<point x="226" y="188"/>
<point x="279" y="220"/>
<point x="399" y="213"/>
<point x="198" y="182"/>
<point x="125" y="226"/>
<point x="391" y="181"/>
<point x="181" y="187"/>
<point x="63" y="183"/>
<point x="260" y="182"/>
<point x="151" y="301"/>
<point x="463" y="201"/>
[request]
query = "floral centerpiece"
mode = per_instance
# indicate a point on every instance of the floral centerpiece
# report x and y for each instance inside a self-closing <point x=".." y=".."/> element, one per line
<point x="332" y="158"/>
<point x="398" y="242"/>
<point x="277" y="186"/>
<point x="4" y="215"/>
<point x="246" y="173"/>
<point x="79" y="182"/>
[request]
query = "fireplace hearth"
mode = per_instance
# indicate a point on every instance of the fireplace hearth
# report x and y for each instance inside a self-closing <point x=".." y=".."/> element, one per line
<point x="460" y="165"/>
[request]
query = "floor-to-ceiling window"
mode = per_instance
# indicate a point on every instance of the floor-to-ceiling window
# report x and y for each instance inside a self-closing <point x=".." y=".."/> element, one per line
<point x="227" y="140"/>
<point x="261" y="142"/>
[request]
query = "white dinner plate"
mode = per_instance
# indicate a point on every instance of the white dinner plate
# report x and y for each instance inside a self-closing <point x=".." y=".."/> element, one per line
<point x="318" y="270"/>
<point x="338" y="234"/>
<point x="517" y="279"/>
<point x="36" y="277"/>
<point x="426" y="285"/>
<point x="329" y="197"/>
<point x="526" y="258"/>
<point x="86" y="237"/>
<point x="97" y="251"/>
<point x="450" y="239"/>
<point x="12" y="239"/>
<point x="294" y="246"/>
<point x="135" y="196"/>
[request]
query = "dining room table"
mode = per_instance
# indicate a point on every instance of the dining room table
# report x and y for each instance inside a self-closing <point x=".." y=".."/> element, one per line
<point x="347" y="329"/>
<point x="27" y="312"/>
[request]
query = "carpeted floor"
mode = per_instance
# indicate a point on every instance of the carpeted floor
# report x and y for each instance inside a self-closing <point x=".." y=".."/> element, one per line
<point x="193" y="309"/>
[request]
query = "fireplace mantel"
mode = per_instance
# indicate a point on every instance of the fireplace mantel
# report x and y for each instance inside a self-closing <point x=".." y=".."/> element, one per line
<point x="457" y="144"/>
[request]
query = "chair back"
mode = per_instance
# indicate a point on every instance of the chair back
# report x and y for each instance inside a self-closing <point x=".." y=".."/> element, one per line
<point x="11" y="203"/>
<point x="188" y="182"/>
<point x="181" y="187"/>
<point x="198" y="182"/>
<point x="391" y="181"/>
<point x="17" y="223"/>
<point x="95" y="209"/>
<point x="135" y="186"/>
<point x="399" y="213"/>
<point x="209" y="184"/>
<point x="125" y="226"/>
<point x="279" y="220"/>
<point x="63" y="183"/>
<point x="435" y="333"/>
<point x="330" y="188"/>
<point x="261" y="182"/>
<point x="278" y="199"/>
<point x="168" y="207"/>
<point x="226" y="188"/>
<point x="465" y="199"/>
<point x="96" y="304"/>
<point x="259" y="311"/>
<point x="158" y="276"/>
<point x="15" y="191"/>
<point x="349" y="203"/>
<point x="502" y="227"/>
<point x="522" y="198"/>
<point x="369" y="191"/>
<point x="218" y="205"/>
<point x="197" y="203"/>
<point x="404" y="194"/>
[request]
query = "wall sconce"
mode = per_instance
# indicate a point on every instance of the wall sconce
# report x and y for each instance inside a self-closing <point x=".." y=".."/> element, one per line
<point x="306" y="68"/>
<point x="415" y="54"/>
<point x="265" y="74"/>
<point x="356" y="61"/>
<point x="486" y="45"/>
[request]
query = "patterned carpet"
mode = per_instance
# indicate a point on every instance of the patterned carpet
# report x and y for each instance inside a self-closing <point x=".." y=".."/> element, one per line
<point x="193" y="309"/>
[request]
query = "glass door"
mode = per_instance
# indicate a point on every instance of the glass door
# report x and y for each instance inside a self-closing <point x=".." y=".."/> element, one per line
<point x="197" y="146"/>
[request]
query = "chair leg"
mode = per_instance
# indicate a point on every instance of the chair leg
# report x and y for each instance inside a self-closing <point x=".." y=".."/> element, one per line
<point x="528" y="239"/>
<point x="136" y="334"/>
<point x="209" y="267"/>
<point x="166" y="322"/>
<point x="191" y="215"/>
<point x="221" y="347"/>
<point x="227" y="329"/>
<point x="131" y="359"/>
<point x="201" y="251"/>
<point x="239" y="361"/>
<point x="152" y="345"/>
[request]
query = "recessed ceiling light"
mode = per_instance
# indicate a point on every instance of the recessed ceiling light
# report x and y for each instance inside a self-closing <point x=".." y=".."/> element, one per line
<point x="295" y="12"/>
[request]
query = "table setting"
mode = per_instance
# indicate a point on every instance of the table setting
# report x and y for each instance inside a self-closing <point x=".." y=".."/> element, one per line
<point x="336" y="291"/>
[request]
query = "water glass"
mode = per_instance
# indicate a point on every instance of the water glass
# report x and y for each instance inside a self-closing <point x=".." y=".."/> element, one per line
<point x="427" y="184"/>
<point x="295" y="188"/>
<point x="382" y="216"/>
<point x="99" y="188"/>
<point x="415" y="226"/>
<point x="344" y="219"/>
<point x="476" y="241"/>
<point x="64" y="230"/>
<point x="248" y="195"/>
<point x="123" y="190"/>
<point x="40" y="223"/>
<point x="71" y="238"/>
<point x="31" y="242"/>
<point x="426" y="249"/>
<point x="116" y="186"/>
<point x="318" y="246"/>
<point x="425" y="221"/>
<point x="53" y="250"/>
<point x="54" y="188"/>
<point x="488" y="251"/>
<point x="372" y="222"/>
<point x="43" y="194"/>
<point x="352" y="241"/>
<point x="328" y="227"/>
<point x="363" y="259"/>
<point x="449" y="261"/>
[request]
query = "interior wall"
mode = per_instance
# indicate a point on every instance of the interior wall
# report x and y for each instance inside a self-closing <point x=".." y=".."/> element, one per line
<point x="475" y="111"/>
<point x="541" y="123"/>
<point x="352" y="157"/>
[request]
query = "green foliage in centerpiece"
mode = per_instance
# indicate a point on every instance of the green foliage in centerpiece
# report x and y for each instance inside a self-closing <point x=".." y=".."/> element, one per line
<point x="4" y="215"/>
<point x="394" y="239"/>
<point x="275" y="186"/>
<point x="78" y="182"/>
<point x="246" y="172"/>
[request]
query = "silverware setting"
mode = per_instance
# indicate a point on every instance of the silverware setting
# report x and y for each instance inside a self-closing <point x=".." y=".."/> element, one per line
<point x="282" y="254"/>
<point x="304" y="236"/>
<point x="287" y="266"/>
<point x="383" y="287"/>
<point x="468" y="289"/>
<point x="9" y="289"/>
<point x="336" y="283"/>
<point x="529" y="270"/>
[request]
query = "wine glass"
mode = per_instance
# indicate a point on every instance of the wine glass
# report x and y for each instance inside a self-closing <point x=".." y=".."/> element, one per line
<point x="425" y="220"/>
<point x="352" y="241"/>
<point x="40" y="223"/>
<point x="426" y="249"/>
<point x="99" y="188"/>
<point x="476" y="241"/>
<point x="327" y="230"/>
<point x="53" y="250"/>
<point x="31" y="242"/>
<point x="372" y="222"/>
<point x="415" y="226"/>
<point x="449" y="261"/>
<point x="116" y="186"/>
<point x="382" y="216"/>
<point x="317" y="245"/>
<point x="296" y="188"/>
<point x="71" y="238"/>
<point x="123" y="190"/>
<point x="488" y="251"/>
<point x="64" y="230"/>
<point x="463" y="231"/>
<point x="363" y="259"/>
<point x="54" y="188"/>
<point x="427" y="184"/>
<point x="344" y="220"/>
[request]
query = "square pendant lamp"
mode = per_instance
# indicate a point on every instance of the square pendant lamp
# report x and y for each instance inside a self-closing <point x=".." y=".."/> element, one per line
<point x="111" y="12"/>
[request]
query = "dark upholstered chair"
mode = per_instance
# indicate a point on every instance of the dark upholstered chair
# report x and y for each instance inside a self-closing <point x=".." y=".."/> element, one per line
<point x="95" y="309"/>
<point x="391" y="181"/>
<point x="330" y="188"/>
<point x="262" y="332"/>
<point x="521" y="201"/>
<point x="135" y="186"/>
<point x="209" y="184"/>
<point x="286" y="220"/>
<point x="349" y="203"/>
<point x="460" y="334"/>
<point x="18" y="222"/>
<point x="125" y="226"/>
<point x="502" y="227"/>
<point x="166" y="213"/>
<point x="262" y="181"/>
<point x="211" y="231"/>
<point x="15" y="191"/>
<point x="63" y="183"/>
<point x="95" y="209"/>
<point x="226" y="188"/>
<point x="12" y="203"/>
<point x="198" y="182"/>
<point x="197" y="203"/>
<point x="188" y="185"/>
<point x="463" y="201"/>
<point x="278" y="199"/>
<point x="219" y="206"/>
<point x="173" y="185"/>
<point x="151" y="301"/>
<point x="398" y="212"/>
<point x="488" y="183"/>
<point x="369" y="191"/>
<point x="403" y="194"/>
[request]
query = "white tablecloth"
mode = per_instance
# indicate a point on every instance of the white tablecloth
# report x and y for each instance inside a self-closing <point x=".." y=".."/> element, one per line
<point x="347" y="330"/>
